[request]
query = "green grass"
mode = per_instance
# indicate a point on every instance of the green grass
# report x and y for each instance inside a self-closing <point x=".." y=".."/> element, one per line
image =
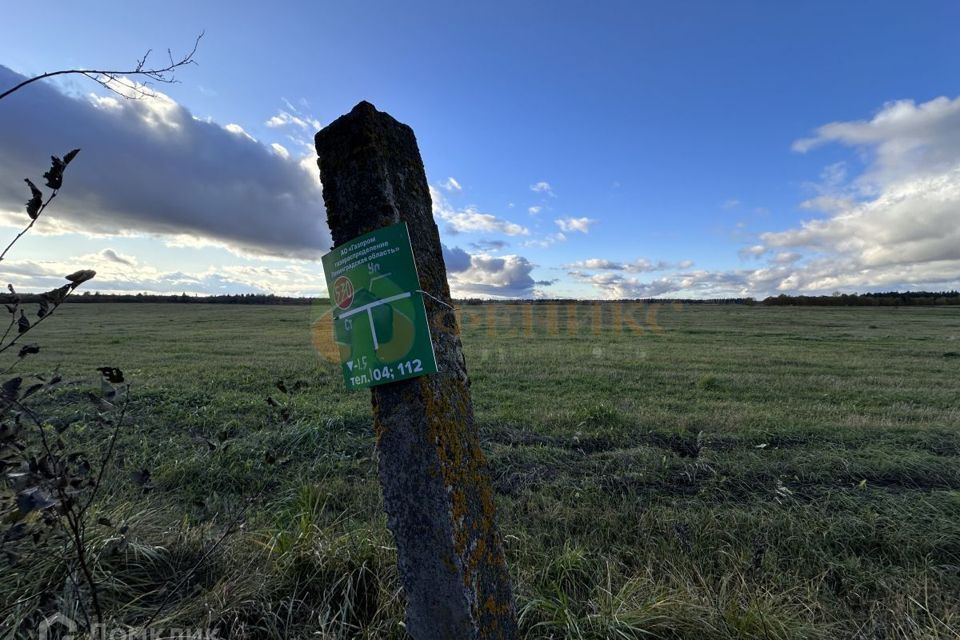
<point x="701" y="472"/>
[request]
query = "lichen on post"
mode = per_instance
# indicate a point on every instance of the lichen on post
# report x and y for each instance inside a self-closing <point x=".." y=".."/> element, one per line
<point x="436" y="489"/>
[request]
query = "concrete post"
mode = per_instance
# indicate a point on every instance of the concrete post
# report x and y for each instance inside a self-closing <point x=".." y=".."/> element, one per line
<point x="436" y="490"/>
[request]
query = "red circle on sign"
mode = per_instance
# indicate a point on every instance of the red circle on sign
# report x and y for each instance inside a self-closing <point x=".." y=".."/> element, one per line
<point x="343" y="292"/>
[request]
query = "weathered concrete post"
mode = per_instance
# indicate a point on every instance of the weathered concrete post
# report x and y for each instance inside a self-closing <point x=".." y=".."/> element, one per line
<point x="436" y="491"/>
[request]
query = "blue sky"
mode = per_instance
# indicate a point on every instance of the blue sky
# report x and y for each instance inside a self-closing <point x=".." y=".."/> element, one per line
<point x="617" y="149"/>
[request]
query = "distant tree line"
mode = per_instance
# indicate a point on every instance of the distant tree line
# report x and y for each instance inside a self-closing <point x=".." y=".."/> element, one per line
<point x="885" y="299"/>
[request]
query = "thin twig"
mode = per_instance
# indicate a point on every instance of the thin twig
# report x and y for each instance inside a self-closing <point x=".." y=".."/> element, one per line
<point x="202" y="559"/>
<point x="13" y="321"/>
<point x="29" y="226"/>
<point x="74" y="528"/>
<point x="66" y="514"/>
<point x="76" y="531"/>
<point x="109" y="454"/>
<point x="76" y="589"/>
<point x="17" y="337"/>
<point x="159" y="74"/>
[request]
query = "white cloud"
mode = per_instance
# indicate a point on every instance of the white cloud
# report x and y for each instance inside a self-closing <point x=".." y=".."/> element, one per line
<point x="498" y="276"/>
<point x="485" y="275"/>
<point x="119" y="273"/>
<point x="542" y="187"/>
<point x="285" y="118"/>
<point x="833" y="175"/>
<point x="915" y="220"/>
<point x="753" y="251"/>
<point x="450" y="184"/>
<point x="455" y="259"/>
<point x="896" y="225"/>
<point x="596" y="263"/>
<point x="238" y="130"/>
<point x="905" y="139"/>
<point x="119" y="258"/>
<point x="149" y="167"/>
<point x="696" y="284"/>
<point x="902" y="214"/>
<point x="546" y="241"/>
<point x="640" y="265"/>
<point x="828" y="204"/>
<point x="786" y="257"/>
<point x="575" y="224"/>
<point x="280" y="150"/>
<point x="732" y="203"/>
<point x="534" y="210"/>
<point x="469" y="219"/>
<point x="615" y="286"/>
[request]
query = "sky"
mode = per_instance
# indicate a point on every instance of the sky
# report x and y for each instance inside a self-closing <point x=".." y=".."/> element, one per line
<point x="592" y="150"/>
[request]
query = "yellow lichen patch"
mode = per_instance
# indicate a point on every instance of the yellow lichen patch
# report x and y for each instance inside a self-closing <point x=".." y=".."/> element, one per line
<point x="461" y="467"/>
<point x="494" y="611"/>
<point x="495" y="608"/>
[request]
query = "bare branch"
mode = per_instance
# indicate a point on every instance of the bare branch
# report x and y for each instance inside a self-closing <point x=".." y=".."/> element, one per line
<point x="17" y="337"/>
<point x="189" y="574"/>
<point x="107" y="457"/>
<point x="165" y="74"/>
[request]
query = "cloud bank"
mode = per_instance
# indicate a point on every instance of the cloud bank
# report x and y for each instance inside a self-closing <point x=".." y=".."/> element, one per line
<point x="896" y="225"/>
<point x="150" y="167"/>
<point x="498" y="276"/>
<point x="121" y="273"/>
<point x="640" y="265"/>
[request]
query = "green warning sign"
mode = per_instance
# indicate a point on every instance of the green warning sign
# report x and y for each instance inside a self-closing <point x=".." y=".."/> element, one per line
<point x="380" y="323"/>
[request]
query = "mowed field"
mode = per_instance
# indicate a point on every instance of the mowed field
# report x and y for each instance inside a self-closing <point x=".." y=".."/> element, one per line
<point x="684" y="471"/>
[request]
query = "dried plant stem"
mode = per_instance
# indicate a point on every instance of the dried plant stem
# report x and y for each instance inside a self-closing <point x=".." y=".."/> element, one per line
<point x="28" y="227"/>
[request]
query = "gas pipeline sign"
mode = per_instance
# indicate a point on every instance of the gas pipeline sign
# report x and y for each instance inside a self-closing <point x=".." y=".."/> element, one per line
<point x="380" y="322"/>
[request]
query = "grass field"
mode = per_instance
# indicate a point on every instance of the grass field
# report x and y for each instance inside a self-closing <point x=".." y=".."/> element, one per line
<point x="681" y="472"/>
